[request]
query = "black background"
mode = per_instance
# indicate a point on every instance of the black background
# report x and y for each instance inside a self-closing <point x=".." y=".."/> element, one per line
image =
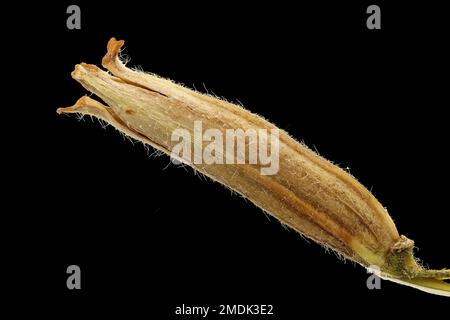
<point x="149" y="236"/>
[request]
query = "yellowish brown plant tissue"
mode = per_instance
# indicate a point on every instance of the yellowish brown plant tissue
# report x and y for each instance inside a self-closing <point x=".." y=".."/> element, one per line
<point x="308" y="193"/>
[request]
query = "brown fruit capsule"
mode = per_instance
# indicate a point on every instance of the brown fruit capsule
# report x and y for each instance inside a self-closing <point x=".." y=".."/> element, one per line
<point x="308" y="193"/>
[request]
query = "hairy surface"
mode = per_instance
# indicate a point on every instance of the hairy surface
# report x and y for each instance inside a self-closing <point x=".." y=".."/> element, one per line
<point x="309" y="193"/>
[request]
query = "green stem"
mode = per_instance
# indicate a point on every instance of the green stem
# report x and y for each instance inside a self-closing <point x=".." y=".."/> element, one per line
<point x="428" y="285"/>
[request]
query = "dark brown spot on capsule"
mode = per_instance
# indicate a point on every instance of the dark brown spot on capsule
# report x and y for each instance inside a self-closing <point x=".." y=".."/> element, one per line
<point x="130" y="112"/>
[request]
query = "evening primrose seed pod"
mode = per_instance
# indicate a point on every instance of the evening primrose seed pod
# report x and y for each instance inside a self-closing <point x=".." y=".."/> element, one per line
<point x="308" y="193"/>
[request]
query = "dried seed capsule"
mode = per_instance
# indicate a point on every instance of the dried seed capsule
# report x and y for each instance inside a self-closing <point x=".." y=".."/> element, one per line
<point x="307" y="193"/>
